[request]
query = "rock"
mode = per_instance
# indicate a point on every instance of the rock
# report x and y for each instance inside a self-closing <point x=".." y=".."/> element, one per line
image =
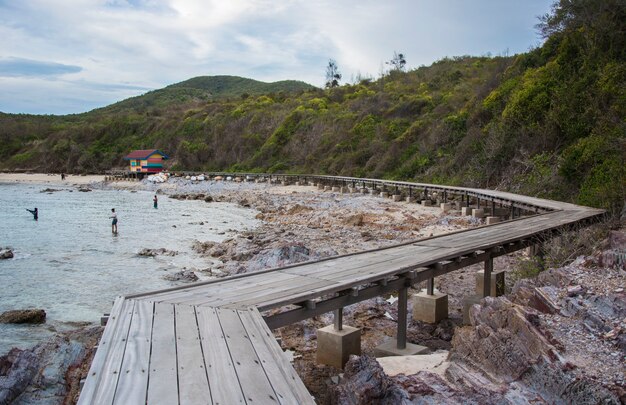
<point x="49" y="190"/>
<point x="354" y="220"/>
<point x="208" y="198"/>
<point x="6" y="253"/>
<point x="365" y="382"/>
<point x="50" y="372"/>
<point x="23" y="316"/>
<point x="84" y="189"/>
<point x="183" y="275"/>
<point x="154" y="252"/>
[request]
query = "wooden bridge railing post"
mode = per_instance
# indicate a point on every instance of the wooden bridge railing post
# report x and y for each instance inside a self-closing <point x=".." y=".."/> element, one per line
<point x="487" y="277"/>
<point x="338" y="321"/>
<point x="430" y="286"/>
<point x="402" y="317"/>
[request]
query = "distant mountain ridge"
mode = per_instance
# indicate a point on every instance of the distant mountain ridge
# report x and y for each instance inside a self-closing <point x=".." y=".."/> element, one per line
<point x="205" y="88"/>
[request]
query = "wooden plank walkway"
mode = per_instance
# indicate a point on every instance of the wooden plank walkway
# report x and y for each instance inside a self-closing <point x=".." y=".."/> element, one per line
<point x="207" y="343"/>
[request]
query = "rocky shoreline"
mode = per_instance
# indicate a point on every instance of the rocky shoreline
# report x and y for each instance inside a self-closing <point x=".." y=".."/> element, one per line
<point x="544" y="360"/>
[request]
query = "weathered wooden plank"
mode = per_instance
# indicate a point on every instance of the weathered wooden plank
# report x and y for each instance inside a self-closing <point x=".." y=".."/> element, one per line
<point x="111" y="369"/>
<point x="192" y="376"/>
<point x="271" y="296"/>
<point x="162" y="380"/>
<point x="104" y="349"/>
<point x="213" y="296"/>
<point x="284" y="379"/>
<point x="223" y="380"/>
<point x="254" y="382"/>
<point x="132" y="385"/>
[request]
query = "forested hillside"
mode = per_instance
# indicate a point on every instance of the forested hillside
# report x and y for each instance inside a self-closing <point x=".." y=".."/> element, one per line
<point x="550" y="122"/>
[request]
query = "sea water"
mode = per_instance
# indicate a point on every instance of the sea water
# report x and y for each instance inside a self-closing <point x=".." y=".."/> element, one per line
<point x="70" y="264"/>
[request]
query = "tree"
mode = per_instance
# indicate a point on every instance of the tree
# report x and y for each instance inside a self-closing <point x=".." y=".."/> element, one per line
<point x="397" y="62"/>
<point x="332" y="74"/>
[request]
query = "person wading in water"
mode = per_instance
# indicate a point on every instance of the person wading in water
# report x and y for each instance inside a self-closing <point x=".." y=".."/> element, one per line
<point x="114" y="222"/>
<point x="155" y="200"/>
<point x="35" y="213"/>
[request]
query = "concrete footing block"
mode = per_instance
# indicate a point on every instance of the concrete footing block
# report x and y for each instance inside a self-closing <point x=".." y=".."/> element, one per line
<point x="427" y="203"/>
<point x="284" y="183"/>
<point x="493" y="220"/>
<point x="351" y="190"/>
<point x="396" y="197"/>
<point x="466" y="211"/>
<point x="364" y="190"/>
<point x="384" y="194"/>
<point x="445" y="207"/>
<point x="497" y="283"/>
<point x="390" y="348"/>
<point x="327" y="188"/>
<point x="467" y="304"/>
<point x="336" y="189"/>
<point x="410" y="199"/>
<point x="320" y="186"/>
<point x="478" y="213"/>
<point x="373" y="191"/>
<point x="335" y="346"/>
<point x="297" y="183"/>
<point x="430" y="308"/>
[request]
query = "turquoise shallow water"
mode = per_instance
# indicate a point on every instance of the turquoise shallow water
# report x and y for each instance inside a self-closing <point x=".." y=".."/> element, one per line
<point x="69" y="263"/>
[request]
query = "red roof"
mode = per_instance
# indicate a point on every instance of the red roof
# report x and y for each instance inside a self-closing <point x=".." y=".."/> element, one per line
<point x="144" y="154"/>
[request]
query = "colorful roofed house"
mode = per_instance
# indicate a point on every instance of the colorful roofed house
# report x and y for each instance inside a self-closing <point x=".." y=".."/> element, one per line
<point x="146" y="160"/>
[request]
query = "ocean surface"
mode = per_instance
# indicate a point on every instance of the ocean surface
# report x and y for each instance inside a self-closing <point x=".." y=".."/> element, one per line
<point x="71" y="265"/>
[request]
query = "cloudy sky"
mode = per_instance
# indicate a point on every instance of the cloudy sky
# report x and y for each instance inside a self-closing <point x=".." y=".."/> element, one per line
<point x="70" y="56"/>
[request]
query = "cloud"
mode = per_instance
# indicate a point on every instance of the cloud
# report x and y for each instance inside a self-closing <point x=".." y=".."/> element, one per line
<point x="15" y="67"/>
<point x="100" y="47"/>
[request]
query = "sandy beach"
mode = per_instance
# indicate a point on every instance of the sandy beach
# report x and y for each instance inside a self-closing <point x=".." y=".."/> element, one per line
<point x="54" y="179"/>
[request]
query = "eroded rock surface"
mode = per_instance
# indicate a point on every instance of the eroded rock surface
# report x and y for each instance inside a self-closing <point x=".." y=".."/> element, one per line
<point x="23" y="316"/>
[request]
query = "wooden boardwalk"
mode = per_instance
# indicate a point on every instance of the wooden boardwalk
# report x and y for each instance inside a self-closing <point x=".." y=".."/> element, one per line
<point x="207" y="343"/>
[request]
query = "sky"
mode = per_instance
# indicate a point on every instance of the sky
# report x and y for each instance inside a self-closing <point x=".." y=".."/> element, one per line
<point x="71" y="56"/>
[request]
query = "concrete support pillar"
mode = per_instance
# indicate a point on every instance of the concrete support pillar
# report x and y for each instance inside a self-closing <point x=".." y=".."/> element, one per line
<point x="297" y="183"/>
<point x="466" y="211"/>
<point x="384" y="194"/>
<point x="430" y="308"/>
<point x="492" y="220"/>
<point x="335" y="189"/>
<point x="327" y="188"/>
<point x="410" y="199"/>
<point x="495" y="287"/>
<point x="426" y="203"/>
<point x="445" y="207"/>
<point x="396" y="197"/>
<point x="467" y="304"/>
<point x="336" y="342"/>
<point x="478" y="213"/>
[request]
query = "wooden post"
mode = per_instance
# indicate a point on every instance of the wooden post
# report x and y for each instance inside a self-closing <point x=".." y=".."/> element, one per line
<point x="493" y="207"/>
<point x="338" y="315"/>
<point x="430" y="289"/>
<point x="445" y="196"/>
<point x="402" y="318"/>
<point x="487" y="280"/>
<point x="478" y="202"/>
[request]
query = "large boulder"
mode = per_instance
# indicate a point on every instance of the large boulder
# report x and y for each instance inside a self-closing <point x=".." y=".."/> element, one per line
<point x="23" y="316"/>
<point x="6" y="253"/>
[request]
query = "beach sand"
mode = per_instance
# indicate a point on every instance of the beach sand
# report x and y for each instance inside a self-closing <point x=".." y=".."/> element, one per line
<point x="53" y="179"/>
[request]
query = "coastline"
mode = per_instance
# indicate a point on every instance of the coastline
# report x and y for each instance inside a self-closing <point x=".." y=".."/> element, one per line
<point x="52" y="179"/>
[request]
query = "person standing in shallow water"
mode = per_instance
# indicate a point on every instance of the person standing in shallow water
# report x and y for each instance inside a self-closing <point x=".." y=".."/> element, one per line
<point x="114" y="222"/>
<point x="35" y="213"/>
<point x="155" y="200"/>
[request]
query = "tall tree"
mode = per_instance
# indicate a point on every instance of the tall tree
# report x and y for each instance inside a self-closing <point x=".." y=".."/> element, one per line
<point x="332" y="74"/>
<point x="398" y="62"/>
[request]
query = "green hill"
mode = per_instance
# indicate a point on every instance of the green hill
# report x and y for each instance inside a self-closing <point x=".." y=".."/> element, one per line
<point x="205" y="88"/>
<point x="549" y="122"/>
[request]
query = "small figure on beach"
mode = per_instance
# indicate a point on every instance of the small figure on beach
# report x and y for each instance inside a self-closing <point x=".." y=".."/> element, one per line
<point x="155" y="200"/>
<point x="35" y="213"/>
<point x="114" y="222"/>
<point x="62" y="176"/>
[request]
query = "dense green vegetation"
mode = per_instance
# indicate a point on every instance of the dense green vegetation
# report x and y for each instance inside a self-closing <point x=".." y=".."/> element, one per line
<point x="550" y="122"/>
